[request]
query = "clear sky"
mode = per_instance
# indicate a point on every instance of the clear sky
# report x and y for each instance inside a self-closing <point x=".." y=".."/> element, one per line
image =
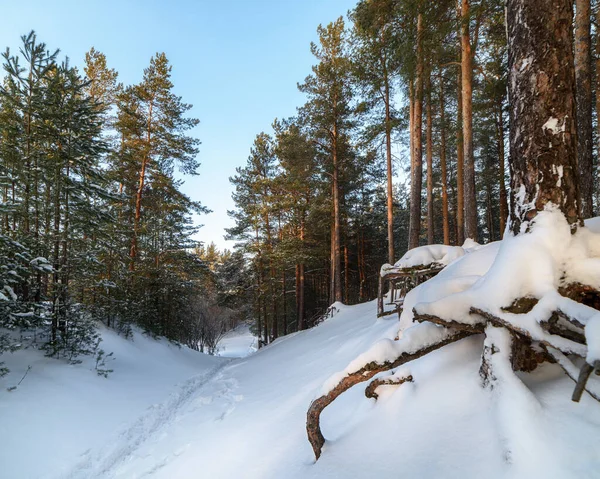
<point x="237" y="61"/>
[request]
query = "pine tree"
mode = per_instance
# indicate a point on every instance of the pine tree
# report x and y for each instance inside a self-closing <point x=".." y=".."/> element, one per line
<point x="328" y="113"/>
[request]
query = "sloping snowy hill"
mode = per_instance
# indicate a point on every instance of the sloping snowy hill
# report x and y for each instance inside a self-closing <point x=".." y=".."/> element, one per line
<point x="59" y="411"/>
<point x="246" y="419"/>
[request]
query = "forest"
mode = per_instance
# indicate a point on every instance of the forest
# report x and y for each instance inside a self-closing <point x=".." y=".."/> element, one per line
<point x="402" y="142"/>
<point x="95" y="227"/>
<point x="449" y="150"/>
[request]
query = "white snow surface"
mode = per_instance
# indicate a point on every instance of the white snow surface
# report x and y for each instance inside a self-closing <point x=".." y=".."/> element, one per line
<point x="245" y="418"/>
<point x="237" y="343"/>
<point x="59" y="411"/>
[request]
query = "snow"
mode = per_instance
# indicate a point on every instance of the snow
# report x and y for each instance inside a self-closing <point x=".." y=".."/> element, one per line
<point x="59" y="411"/>
<point x="428" y="255"/>
<point x="238" y="343"/>
<point x="592" y="338"/>
<point x="168" y="412"/>
<point x="552" y="126"/>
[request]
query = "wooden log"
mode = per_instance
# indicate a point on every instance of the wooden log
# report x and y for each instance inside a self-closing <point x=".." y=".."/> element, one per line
<point x="313" y="426"/>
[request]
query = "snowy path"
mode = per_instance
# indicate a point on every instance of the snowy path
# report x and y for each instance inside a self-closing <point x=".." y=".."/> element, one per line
<point x="104" y="462"/>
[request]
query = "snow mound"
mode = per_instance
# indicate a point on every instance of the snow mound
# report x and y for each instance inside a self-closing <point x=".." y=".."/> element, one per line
<point x="431" y="255"/>
<point x="59" y="410"/>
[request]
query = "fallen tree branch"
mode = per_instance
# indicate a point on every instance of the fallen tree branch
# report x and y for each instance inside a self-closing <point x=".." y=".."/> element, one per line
<point x="313" y="427"/>
<point x="393" y="381"/>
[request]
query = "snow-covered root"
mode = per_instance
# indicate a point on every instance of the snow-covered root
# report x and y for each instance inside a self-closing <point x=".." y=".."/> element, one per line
<point x="394" y="380"/>
<point x="383" y="356"/>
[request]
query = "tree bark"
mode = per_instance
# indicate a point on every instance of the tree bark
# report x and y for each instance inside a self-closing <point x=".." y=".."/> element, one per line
<point x="503" y="195"/>
<point x="583" y="79"/>
<point x="138" y="197"/>
<point x="598" y="97"/>
<point x="417" y="170"/>
<point x="460" y="159"/>
<point x="443" y="166"/>
<point x="429" y="157"/>
<point x="543" y="134"/>
<point x="388" y="156"/>
<point x="467" y="123"/>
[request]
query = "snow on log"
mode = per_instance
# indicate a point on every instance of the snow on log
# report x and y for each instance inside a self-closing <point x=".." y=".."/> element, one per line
<point x="394" y="380"/>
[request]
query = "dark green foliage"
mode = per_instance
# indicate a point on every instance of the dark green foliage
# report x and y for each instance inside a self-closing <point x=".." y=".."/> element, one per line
<point x="81" y="239"/>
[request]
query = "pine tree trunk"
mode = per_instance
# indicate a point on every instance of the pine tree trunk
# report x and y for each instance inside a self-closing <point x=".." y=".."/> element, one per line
<point x="429" y="156"/>
<point x="467" y="123"/>
<point x="138" y="197"/>
<point x="503" y="196"/>
<point x="583" y="78"/>
<point x="417" y="170"/>
<point x="598" y="99"/>
<point x="336" y="221"/>
<point x="460" y="159"/>
<point x="388" y="156"/>
<point x="543" y="134"/>
<point x="346" y="275"/>
<point x="443" y="166"/>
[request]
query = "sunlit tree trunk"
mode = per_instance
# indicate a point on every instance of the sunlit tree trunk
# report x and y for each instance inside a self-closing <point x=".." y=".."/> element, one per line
<point x="543" y="134"/>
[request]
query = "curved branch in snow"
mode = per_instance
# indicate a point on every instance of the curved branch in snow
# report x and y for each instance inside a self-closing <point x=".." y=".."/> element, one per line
<point x="370" y="390"/>
<point x="366" y="372"/>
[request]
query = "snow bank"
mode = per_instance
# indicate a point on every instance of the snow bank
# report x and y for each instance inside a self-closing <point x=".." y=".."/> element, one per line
<point x="532" y="264"/>
<point x="59" y="410"/>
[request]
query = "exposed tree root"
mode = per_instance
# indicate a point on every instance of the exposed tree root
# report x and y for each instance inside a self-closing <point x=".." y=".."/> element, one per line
<point x="313" y="427"/>
<point x="429" y="318"/>
<point x="581" y="293"/>
<point x="530" y="344"/>
<point x="566" y="346"/>
<point x="370" y="390"/>
<point x="556" y="325"/>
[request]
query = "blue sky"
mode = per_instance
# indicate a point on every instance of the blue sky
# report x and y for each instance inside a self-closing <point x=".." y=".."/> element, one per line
<point x="236" y="61"/>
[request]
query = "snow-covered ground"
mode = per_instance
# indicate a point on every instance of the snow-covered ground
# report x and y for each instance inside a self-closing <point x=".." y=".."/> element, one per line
<point x="245" y="418"/>
<point x="60" y="411"/>
<point x="238" y="343"/>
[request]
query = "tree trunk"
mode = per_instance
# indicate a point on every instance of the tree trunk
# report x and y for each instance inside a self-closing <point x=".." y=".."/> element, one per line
<point x="429" y="156"/>
<point x="467" y="122"/>
<point x="443" y="166"/>
<point x="337" y="260"/>
<point x="388" y="156"/>
<point x="138" y="197"/>
<point x="417" y="170"/>
<point x="503" y="196"/>
<point x="543" y="133"/>
<point x="598" y="98"/>
<point x="583" y="78"/>
<point x="460" y="161"/>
